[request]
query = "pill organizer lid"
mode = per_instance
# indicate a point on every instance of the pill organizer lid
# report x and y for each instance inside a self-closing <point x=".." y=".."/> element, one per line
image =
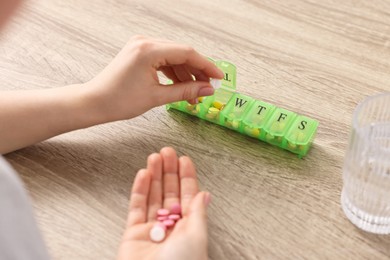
<point x="237" y="106"/>
<point x="302" y="131"/>
<point x="280" y="121"/>
<point x="258" y="114"/>
<point x="230" y="71"/>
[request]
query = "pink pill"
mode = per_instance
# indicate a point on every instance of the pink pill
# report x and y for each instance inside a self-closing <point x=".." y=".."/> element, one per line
<point x="176" y="209"/>
<point x="162" y="212"/>
<point x="162" y="218"/>
<point x="174" y="217"/>
<point x="169" y="222"/>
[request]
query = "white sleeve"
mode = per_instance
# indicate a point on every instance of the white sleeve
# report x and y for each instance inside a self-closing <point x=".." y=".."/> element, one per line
<point x="19" y="235"/>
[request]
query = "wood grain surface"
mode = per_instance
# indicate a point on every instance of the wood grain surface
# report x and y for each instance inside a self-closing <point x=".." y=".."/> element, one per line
<point x="318" y="58"/>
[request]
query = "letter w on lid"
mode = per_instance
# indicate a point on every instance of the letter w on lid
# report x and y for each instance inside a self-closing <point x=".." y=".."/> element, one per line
<point x="240" y="102"/>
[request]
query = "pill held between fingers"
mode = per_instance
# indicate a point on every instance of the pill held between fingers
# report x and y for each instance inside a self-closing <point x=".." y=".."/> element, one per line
<point x="216" y="83"/>
<point x="176" y="209"/>
<point x="174" y="217"/>
<point x="157" y="233"/>
<point x="168" y="222"/>
<point x="162" y="212"/>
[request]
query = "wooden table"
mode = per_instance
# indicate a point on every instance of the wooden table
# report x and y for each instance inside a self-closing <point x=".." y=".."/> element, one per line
<point x="318" y="58"/>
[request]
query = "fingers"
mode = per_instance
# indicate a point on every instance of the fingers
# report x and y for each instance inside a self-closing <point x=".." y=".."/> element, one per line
<point x="167" y="53"/>
<point x="156" y="187"/>
<point x="188" y="183"/>
<point x="197" y="215"/>
<point x="171" y="186"/>
<point x="139" y="198"/>
<point x="199" y="75"/>
<point x="182" y="73"/>
<point x="170" y="74"/>
<point x="188" y="90"/>
<point x="177" y="54"/>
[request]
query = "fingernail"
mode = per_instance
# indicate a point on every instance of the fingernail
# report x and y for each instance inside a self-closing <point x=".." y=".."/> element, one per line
<point x="207" y="198"/>
<point x="206" y="91"/>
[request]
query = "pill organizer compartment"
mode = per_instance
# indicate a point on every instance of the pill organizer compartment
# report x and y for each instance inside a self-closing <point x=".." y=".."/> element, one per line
<point x="256" y="118"/>
<point x="176" y="105"/>
<point x="277" y="126"/>
<point x="215" y="104"/>
<point x="198" y="109"/>
<point x="300" y="135"/>
<point x="230" y="71"/>
<point x="234" y="111"/>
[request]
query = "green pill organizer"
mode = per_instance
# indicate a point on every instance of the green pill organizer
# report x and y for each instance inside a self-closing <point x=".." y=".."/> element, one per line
<point x="252" y="117"/>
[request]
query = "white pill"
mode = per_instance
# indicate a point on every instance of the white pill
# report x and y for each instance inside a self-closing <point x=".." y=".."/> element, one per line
<point x="216" y="83"/>
<point x="157" y="233"/>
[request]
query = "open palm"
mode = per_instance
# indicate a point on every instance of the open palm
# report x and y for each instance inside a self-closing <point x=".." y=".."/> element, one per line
<point x="166" y="181"/>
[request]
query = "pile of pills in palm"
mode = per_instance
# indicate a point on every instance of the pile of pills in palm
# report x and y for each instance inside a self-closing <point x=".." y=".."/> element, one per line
<point x="166" y="219"/>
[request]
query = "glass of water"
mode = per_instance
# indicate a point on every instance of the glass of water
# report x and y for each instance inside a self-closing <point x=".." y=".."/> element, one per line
<point x="365" y="198"/>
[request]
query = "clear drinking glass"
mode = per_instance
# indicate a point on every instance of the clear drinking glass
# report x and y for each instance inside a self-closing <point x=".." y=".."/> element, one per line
<point x="365" y="198"/>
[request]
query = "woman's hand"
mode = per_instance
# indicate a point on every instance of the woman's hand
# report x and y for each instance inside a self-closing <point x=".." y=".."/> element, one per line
<point x="129" y="85"/>
<point x="166" y="181"/>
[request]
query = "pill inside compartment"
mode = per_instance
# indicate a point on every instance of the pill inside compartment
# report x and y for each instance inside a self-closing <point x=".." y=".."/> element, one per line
<point x="197" y="109"/>
<point x="300" y="135"/>
<point x="180" y="105"/>
<point x="256" y="118"/>
<point x="215" y="104"/>
<point x="235" y="111"/>
<point x="278" y="126"/>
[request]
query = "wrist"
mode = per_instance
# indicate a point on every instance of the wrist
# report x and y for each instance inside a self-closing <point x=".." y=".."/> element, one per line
<point x="88" y="106"/>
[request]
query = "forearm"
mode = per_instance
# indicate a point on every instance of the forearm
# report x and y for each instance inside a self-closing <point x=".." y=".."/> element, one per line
<point x="28" y="117"/>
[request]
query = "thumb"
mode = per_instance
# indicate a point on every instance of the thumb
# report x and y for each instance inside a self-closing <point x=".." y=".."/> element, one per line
<point x="184" y="91"/>
<point x="197" y="214"/>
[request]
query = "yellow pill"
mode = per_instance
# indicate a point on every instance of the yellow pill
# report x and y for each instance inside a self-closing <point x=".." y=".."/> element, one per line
<point x="190" y="107"/>
<point x="218" y="105"/>
<point x="194" y="112"/>
<point x="228" y="123"/>
<point x="301" y="137"/>
<point x="213" y="110"/>
<point x="235" y="124"/>
<point x="292" y="146"/>
<point x="210" y="116"/>
<point x="254" y="132"/>
<point x="200" y="99"/>
<point x="278" y="127"/>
